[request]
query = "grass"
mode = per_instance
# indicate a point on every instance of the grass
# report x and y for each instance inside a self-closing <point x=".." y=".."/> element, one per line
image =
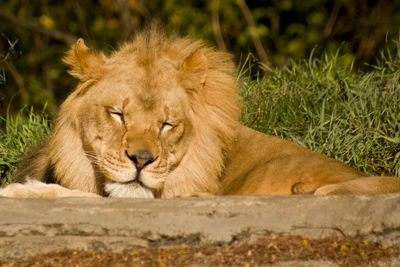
<point x="324" y="105"/>
<point x="17" y="134"/>
<point x="319" y="103"/>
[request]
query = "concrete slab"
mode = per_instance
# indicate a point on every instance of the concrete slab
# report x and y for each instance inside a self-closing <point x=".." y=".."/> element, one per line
<point x="31" y="226"/>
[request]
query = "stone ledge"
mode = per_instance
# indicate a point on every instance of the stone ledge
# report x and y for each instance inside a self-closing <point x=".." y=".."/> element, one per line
<point x="31" y="226"/>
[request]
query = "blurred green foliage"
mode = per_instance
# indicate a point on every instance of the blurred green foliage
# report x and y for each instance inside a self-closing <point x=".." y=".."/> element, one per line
<point x="35" y="34"/>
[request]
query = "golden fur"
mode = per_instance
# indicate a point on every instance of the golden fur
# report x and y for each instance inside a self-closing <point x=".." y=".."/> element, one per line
<point x="159" y="118"/>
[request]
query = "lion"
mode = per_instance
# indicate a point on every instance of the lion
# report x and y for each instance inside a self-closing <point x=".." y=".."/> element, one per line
<point x="159" y="118"/>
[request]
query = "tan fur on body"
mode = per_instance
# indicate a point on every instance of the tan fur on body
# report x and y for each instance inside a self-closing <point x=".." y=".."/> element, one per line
<point x="159" y="118"/>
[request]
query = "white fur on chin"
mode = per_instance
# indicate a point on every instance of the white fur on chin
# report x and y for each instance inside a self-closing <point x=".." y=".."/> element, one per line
<point x="132" y="190"/>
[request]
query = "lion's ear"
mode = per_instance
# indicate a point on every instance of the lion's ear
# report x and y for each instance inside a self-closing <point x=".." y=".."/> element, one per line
<point x="194" y="70"/>
<point x="85" y="63"/>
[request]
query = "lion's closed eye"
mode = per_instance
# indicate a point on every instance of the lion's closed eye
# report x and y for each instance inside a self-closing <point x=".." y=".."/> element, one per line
<point x="167" y="126"/>
<point x="118" y="116"/>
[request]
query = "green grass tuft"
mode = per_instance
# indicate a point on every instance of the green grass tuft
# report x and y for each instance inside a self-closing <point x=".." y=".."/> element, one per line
<point x="19" y="133"/>
<point x="329" y="108"/>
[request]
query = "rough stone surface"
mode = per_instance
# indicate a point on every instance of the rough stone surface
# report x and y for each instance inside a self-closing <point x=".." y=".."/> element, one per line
<point x="31" y="226"/>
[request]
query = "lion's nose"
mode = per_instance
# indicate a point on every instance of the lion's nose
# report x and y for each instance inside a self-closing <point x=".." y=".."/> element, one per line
<point x="141" y="158"/>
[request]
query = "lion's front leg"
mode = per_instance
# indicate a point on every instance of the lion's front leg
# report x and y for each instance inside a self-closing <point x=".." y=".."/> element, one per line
<point x="37" y="189"/>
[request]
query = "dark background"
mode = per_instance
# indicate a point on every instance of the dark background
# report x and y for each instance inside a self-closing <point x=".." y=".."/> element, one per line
<point x="35" y="34"/>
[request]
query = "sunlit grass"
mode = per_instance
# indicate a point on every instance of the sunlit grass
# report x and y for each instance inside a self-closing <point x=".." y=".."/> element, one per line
<point x="327" y="107"/>
<point x="17" y="134"/>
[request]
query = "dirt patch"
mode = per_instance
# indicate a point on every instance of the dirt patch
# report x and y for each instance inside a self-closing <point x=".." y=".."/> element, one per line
<point x="272" y="249"/>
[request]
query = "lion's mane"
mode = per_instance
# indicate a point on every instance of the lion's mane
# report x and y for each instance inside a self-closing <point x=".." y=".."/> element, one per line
<point x="63" y="157"/>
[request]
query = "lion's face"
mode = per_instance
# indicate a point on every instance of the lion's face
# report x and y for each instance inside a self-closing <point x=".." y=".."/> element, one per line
<point x="154" y="117"/>
<point x="135" y="127"/>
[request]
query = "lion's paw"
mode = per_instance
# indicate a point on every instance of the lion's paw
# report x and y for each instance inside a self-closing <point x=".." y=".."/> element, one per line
<point x="37" y="189"/>
<point x="332" y="189"/>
